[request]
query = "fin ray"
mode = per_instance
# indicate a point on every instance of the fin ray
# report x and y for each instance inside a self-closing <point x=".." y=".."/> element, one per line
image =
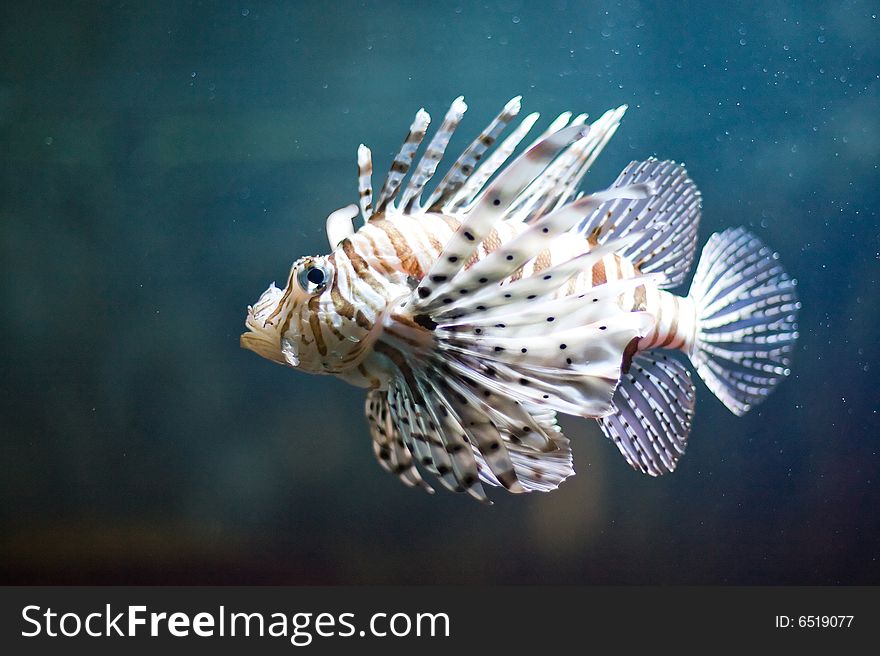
<point x="365" y="184"/>
<point x="747" y="309"/>
<point x="464" y="165"/>
<point x="669" y="218"/>
<point x="427" y="165"/>
<point x="653" y="410"/>
<point x="403" y="160"/>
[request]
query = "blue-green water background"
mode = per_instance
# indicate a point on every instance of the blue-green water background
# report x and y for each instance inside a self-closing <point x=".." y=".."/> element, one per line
<point x="163" y="162"/>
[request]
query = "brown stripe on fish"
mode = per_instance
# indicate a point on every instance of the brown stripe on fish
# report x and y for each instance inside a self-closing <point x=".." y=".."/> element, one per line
<point x="374" y="382"/>
<point x="491" y="241"/>
<point x="315" y="324"/>
<point x="673" y="328"/>
<point x="653" y="306"/>
<point x="599" y="273"/>
<point x="543" y="261"/>
<point x="628" y="354"/>
<point x="340" y="303"/>
<point x="286" y="323"/>
<point x="436" y="244"/>
<point x="613" y="269"/>
<point x="402" y="249"/>
<point x="407" y="337"/>
<point x="287" y="291"/>
<point x="362" y="320"/>
<point x="300" y="326"/>
<point x="380" y="260"/>
<point x="328" y="320"/>
<point x="452" y="223"/>
<point x="361" y="268"/>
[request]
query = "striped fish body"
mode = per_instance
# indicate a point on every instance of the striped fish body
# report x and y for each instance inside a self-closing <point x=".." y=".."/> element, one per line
<point x="401" y="247"/>
<point x="506" y="296"/>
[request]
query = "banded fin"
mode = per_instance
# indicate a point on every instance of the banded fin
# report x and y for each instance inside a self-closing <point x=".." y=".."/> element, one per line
<point x="388" y="446"/>
<point x="489" y="209"/>
<point x="403" y="159"/>
<point x="424" y="434"/>
<point x="515" y="445"/>
<point x="559" y="182"/>
<point x="538" y="469"/>
<point x="427" y="165"/>
<point x="453" y="437"/>
<point x="496" y="160"/>
<point x="420" y="436"/>
<point x="470" y="285"/>
<point x="482" y="382"/>
<point x="747" y="309"/>
<point x="668" y="219"/>
<point x="653" y="409"/>
<point x="464" y="165"/>
<point x="365" y="183"/>
<point x="494" y="440"/>
<point x="512" y="341"/>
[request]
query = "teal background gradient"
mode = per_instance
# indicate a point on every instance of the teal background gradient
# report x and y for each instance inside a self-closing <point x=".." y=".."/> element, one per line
<point x="163" y="162"/>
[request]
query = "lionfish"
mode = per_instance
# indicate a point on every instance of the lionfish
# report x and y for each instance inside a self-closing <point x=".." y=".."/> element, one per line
<point x="476" y="314"/>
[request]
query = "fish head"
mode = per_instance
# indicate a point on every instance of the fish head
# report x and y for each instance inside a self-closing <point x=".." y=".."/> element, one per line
<point x="282" y="325"/>
<point x="313" y="324"/>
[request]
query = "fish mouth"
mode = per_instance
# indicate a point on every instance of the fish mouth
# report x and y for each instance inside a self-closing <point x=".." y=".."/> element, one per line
<point x="263" y="335"/>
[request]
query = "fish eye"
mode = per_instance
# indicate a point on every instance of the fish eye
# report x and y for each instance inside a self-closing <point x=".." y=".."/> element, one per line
<point x="313" y="278"/>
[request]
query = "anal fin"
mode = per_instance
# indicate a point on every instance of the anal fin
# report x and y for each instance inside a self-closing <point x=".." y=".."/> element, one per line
<point x="653" y="408"/>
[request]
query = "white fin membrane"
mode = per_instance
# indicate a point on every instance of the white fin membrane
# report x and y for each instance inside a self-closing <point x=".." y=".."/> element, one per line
<point x="653" y="409"/>
<point x="746" y="319"/>
<point x="489" y="210"/>
<point x="339" y="224"/>
<point x="467" y="434"/>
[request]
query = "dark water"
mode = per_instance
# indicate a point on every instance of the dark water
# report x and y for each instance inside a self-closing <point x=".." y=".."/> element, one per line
<point x="163" y="162"/>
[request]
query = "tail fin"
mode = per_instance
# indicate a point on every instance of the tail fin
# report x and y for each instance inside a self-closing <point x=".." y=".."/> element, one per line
<point x="746" y="319"/>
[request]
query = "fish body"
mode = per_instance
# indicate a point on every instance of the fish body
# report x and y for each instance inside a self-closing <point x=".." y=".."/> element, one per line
<point x="475" y="315"/>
